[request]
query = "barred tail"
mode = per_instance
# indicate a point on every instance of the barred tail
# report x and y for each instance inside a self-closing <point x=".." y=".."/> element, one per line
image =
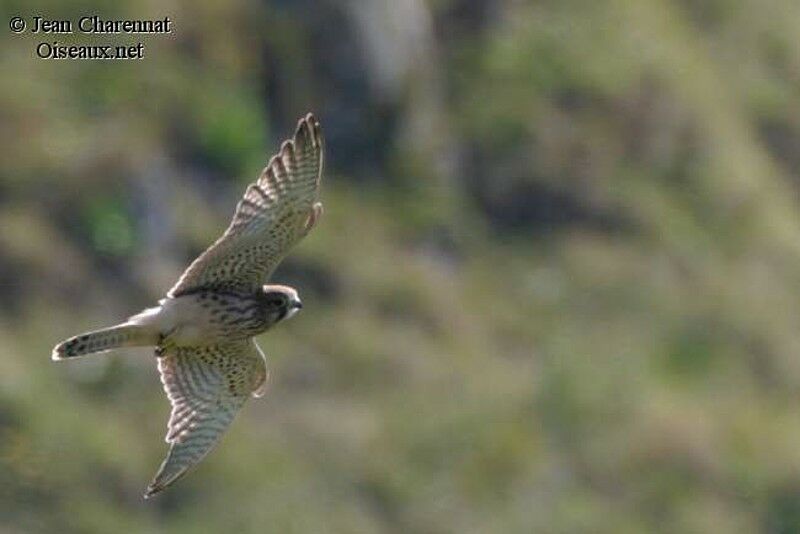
<point x="122" y="335"/>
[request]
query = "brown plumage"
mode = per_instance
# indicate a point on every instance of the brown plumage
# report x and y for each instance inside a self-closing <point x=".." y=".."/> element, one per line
<point x="203" y="330"/>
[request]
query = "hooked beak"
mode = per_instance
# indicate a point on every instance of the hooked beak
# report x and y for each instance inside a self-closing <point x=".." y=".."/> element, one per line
<point x="294" y="307"/>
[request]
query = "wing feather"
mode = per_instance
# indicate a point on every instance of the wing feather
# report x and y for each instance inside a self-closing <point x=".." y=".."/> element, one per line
<point x="207" y="386"/>
<point x="277" y="210"/>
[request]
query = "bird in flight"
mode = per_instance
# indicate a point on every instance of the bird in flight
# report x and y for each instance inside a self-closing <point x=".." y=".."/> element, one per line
<point x="203" y="329"/>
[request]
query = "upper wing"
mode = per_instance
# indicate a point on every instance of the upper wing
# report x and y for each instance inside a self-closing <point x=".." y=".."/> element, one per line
<point x="206" y="387"/>
<point x="275" y="213"/>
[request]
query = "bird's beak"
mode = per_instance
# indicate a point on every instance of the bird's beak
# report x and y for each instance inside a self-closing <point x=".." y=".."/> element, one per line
<point x="294" y="307"/>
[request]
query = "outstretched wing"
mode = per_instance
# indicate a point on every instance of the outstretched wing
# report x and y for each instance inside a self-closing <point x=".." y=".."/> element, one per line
<point x="276" y="212"/>
<point x="207" y="387"/>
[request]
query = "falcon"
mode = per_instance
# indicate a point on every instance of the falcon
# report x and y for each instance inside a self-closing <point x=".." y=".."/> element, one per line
<point x="203" y="329"/>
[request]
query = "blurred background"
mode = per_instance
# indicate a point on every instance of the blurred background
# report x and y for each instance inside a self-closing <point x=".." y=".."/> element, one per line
<point x="555" y="288"/>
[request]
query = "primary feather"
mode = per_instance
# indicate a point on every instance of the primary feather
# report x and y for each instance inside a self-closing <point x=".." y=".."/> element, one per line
<point x="273" y="215"/>
<point x="207" y="386"/>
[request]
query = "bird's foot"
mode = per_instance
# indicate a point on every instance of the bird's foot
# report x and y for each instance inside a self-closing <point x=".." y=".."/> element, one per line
<point x="164" y="344"/>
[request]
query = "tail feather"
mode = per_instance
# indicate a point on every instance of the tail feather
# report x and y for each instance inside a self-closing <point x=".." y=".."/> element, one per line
<point x="122" y="335"/>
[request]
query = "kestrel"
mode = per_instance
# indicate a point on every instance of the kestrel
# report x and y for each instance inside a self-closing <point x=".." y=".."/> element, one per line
<point x="203" y="329"/>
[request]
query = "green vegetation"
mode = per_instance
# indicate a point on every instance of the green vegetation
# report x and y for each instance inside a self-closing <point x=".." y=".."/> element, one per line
<point x="555" y="288"/>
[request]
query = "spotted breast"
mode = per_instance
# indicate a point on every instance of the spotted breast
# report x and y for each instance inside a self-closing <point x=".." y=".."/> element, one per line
<point x="208" y="317"/>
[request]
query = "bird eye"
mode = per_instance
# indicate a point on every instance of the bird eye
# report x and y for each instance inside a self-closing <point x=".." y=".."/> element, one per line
<point x="276" y="302"/>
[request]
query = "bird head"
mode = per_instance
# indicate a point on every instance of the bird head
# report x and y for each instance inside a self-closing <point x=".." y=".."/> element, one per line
<point x="281" y="302"/>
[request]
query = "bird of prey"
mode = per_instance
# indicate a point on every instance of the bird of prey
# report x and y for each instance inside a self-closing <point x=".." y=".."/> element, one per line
<point x="203" y="329"/>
